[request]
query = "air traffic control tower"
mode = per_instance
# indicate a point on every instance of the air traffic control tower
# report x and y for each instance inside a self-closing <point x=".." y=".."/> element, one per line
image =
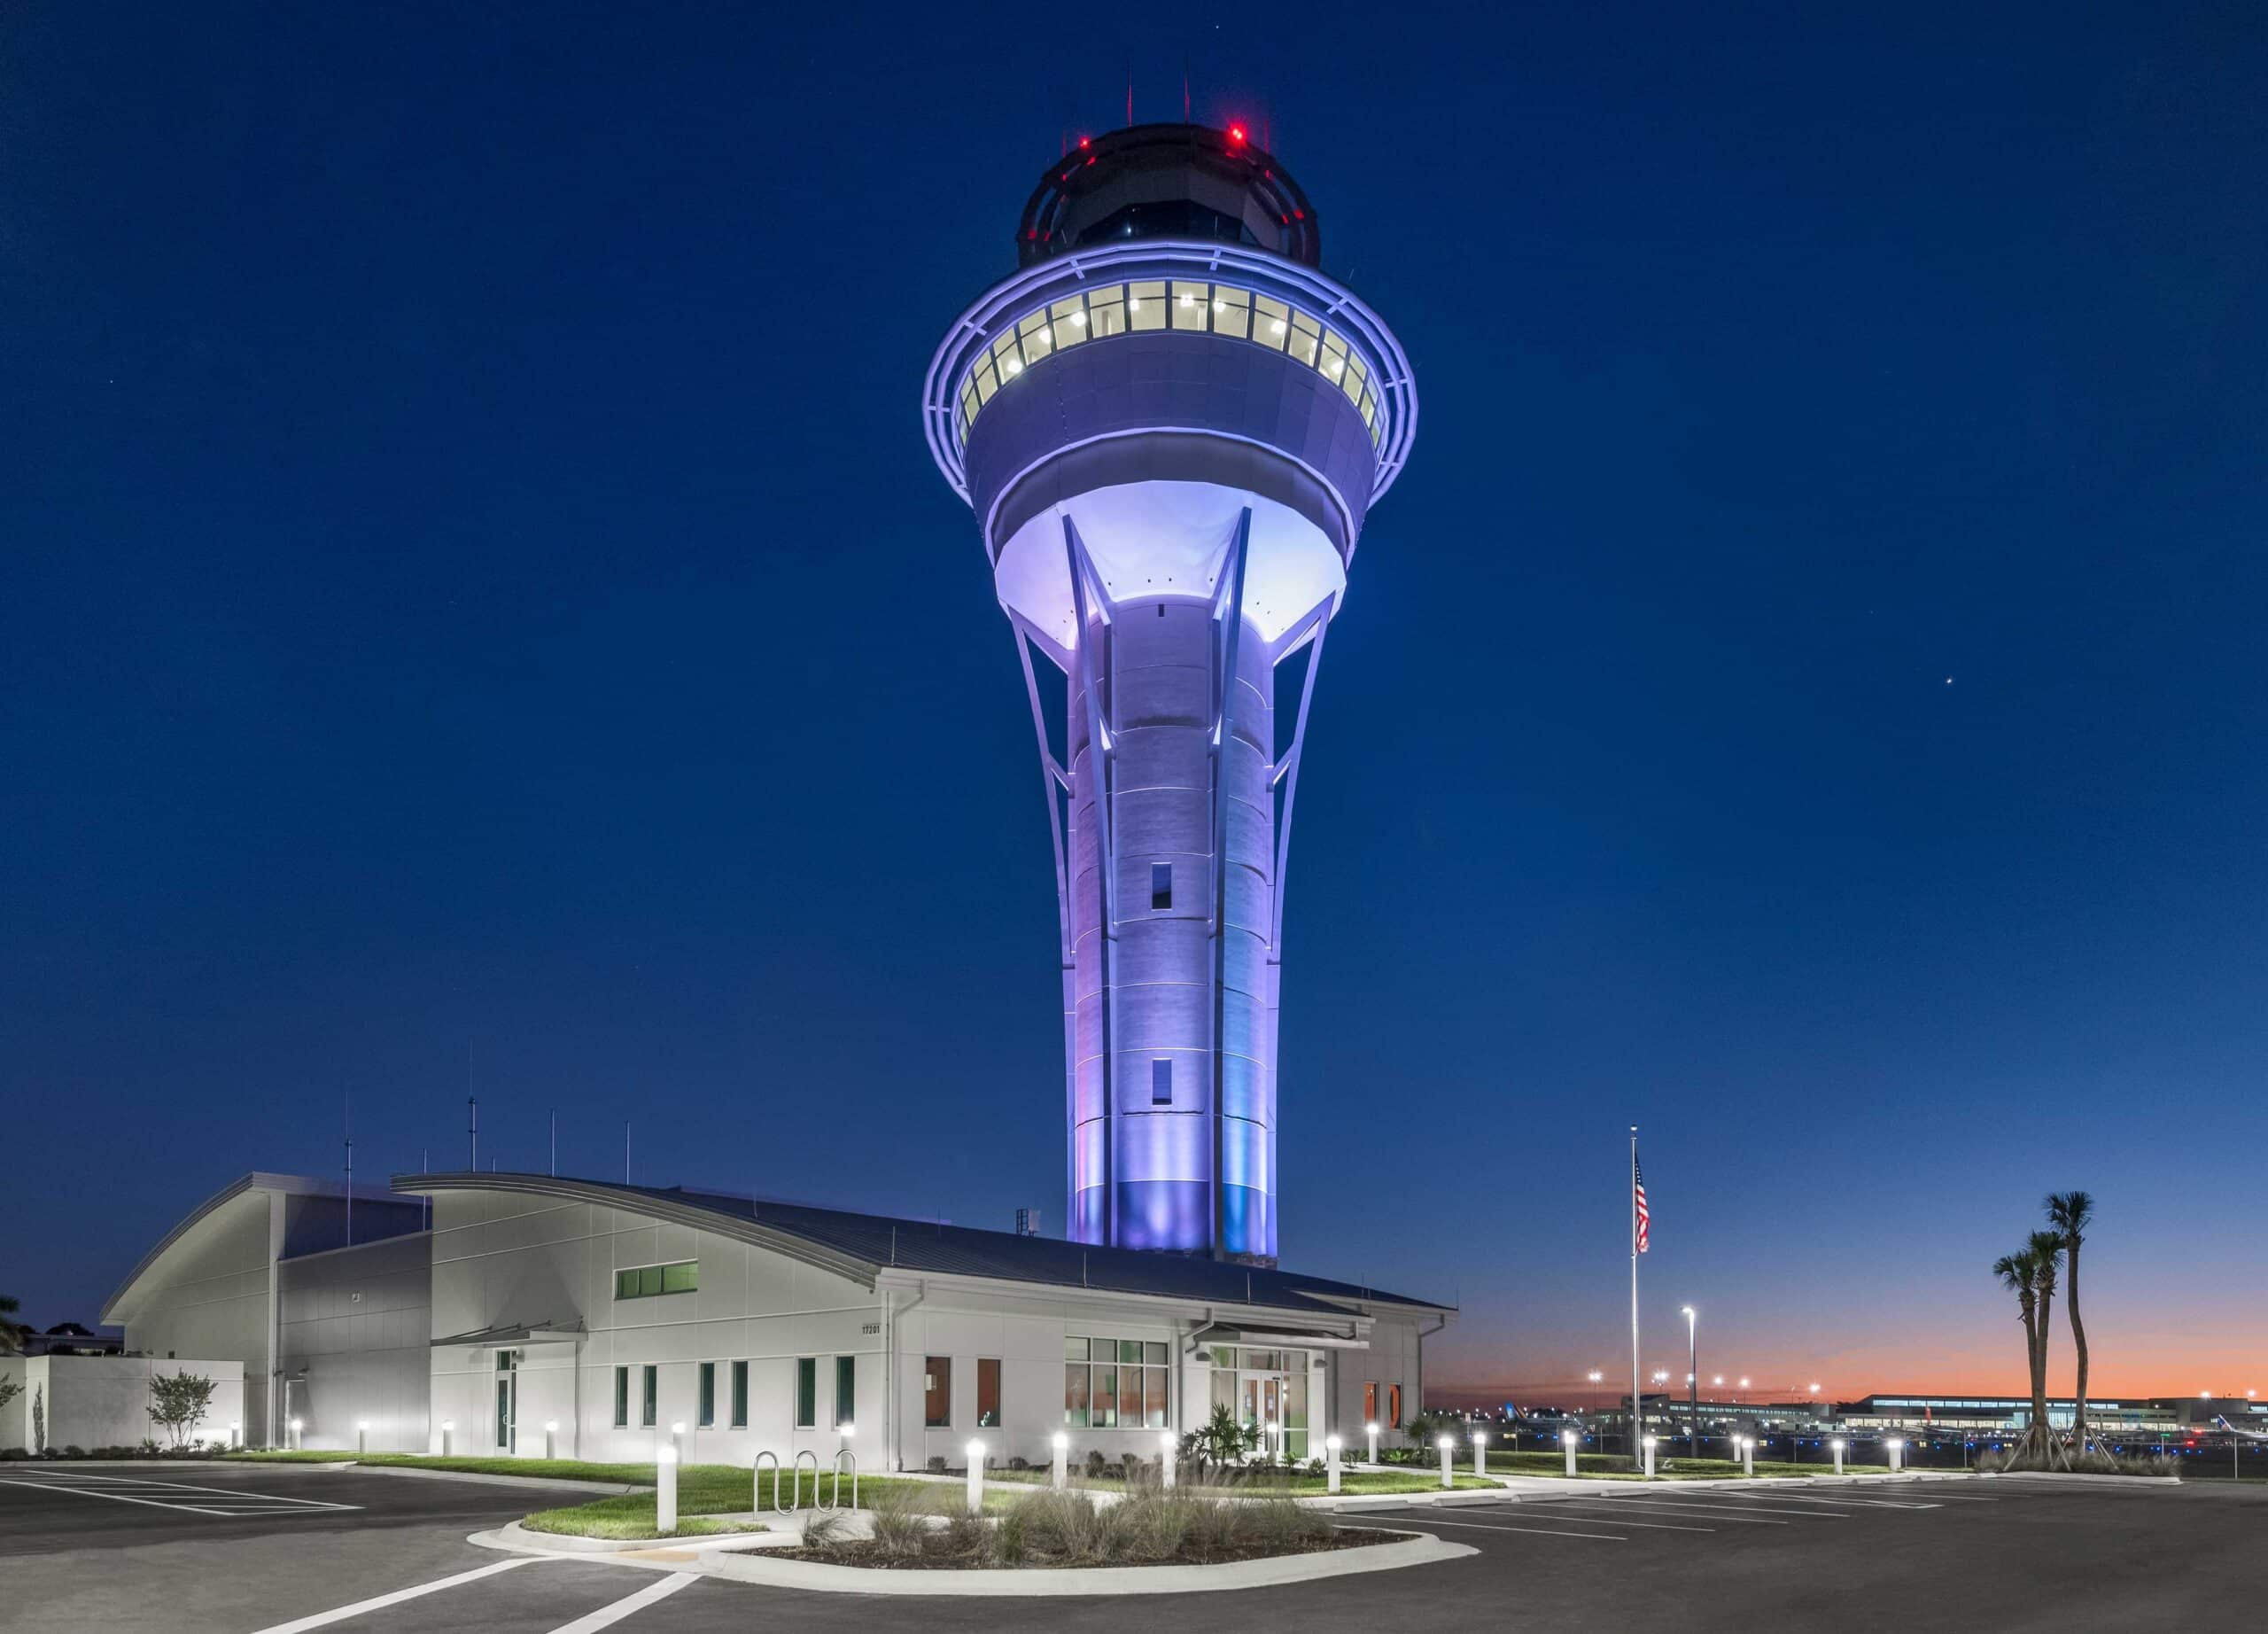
<point x="1171" y="425"/>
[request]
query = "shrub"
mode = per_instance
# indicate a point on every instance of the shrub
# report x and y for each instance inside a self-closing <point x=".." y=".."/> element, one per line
<point x="1019" y="1463"/>
<point x="1009" y="1541"/>
<point x="967" y="1536"/>
<point x="1096" y="1463"/>
<point x="937" y="1463"/>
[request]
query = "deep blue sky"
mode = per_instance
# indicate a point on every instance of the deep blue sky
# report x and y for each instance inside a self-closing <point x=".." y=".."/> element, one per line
<point x="472" y="579"/>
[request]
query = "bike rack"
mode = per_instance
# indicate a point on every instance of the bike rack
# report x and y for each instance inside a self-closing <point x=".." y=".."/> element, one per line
<point x="835" y="1493"/>
<point x="798" y="1465"/>
<point x="756" y="1494"/>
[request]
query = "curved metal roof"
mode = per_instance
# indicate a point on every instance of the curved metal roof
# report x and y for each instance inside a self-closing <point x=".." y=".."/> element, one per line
<point x="860" y="1246"/>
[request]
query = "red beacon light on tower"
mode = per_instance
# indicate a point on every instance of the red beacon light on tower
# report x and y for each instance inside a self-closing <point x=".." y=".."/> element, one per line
<point x="1236" y="136"/>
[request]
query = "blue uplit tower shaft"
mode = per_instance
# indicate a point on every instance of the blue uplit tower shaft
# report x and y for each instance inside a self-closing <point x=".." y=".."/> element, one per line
<point x="1171" y="425"/>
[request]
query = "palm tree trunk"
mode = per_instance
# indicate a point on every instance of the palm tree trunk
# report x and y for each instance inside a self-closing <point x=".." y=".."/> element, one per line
<point x="2037" y="1363"/>
<point x="2043" y="1435"/>
<point x="2078" y="1345"/>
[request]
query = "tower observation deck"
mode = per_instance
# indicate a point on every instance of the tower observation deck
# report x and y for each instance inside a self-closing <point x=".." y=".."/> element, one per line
<point x="1170" y="424"/>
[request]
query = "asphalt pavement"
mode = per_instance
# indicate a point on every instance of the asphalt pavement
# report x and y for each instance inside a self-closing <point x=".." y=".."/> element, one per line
<point x="367" y="1553"/>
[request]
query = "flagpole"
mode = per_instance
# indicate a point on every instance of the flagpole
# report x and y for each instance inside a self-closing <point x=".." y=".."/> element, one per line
<point x="1635" y="1412"/>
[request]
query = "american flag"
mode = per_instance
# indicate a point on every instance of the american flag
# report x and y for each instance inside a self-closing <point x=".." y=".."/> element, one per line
<point x="1638" y="1185"/>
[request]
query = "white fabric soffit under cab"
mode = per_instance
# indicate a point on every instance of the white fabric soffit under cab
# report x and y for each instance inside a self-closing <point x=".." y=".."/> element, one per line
<point x="1162" y="538"/>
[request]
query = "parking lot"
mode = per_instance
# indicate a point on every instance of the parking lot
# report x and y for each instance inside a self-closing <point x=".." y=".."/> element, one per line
<point x="287" y="1550"/>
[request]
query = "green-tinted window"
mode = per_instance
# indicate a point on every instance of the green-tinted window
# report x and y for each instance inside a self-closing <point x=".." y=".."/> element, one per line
<point x="739" y="1395"/>
<point x="1129" y="1350"/>
<point x="806" y="1392"/>
<point x="649" y="1403"/>
<point x="708" y="1413"/>
<point x="846" y="1390"/>
<point x="621" y="1398"/>
<point x="645" y="1281"/>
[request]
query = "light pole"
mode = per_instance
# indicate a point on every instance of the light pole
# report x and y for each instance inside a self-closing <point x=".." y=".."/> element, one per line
<point x="1692" y="1384"/>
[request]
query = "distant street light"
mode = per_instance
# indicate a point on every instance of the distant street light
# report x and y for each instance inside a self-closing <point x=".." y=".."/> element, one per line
<point x="1596" y="1375"/>
<point x="1692" y="1383"/>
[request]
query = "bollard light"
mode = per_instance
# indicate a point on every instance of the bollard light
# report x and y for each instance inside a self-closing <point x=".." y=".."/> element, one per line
<point x="1449" y="1450"/>
<point x="448" y="1434"/>
<point x="1567" y="1441"/>
<point x="235" y="1431"/>
<point x="1748" y="1456"/>
<point x="361" y="1435"/>
<point x="976" y="1477"/>
<point x="1330" y="1463"/>
<point x="1059" y="1476"/>
<point x="1167" y="1447"/>
<point x="665" y="1490"/>
<point x="1481" y="1452"/>
<point x="1371" y="1430"/>
<point x="1649" y="1457"/>
<point x="1837" y="1444"/>
<point x="1896" y="1445"/>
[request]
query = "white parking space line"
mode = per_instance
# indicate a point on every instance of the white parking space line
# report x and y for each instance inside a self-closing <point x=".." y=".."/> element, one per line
<point x="1535" y="1531"/>
<point x="323" y="1619"/>
<point x="630" y="1606"/>
<point x="59" y="1486"/>
<point x="162" y="1493"/>
<point x="1645" y="1506"/>
<point x="1651" y="1526"/>
<point x="1721" y="1508"/>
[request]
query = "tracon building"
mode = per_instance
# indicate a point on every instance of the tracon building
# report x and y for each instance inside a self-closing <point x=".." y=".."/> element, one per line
<point x="1171" y="426"/>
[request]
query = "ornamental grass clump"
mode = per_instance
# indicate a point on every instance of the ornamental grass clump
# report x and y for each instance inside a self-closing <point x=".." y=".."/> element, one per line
<point x="901" y="1523"/>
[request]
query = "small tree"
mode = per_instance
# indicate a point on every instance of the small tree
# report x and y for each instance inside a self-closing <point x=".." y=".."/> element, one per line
<point x="9" y="1390"/>
<point x="39" y="1418"/>
<point x="177" y="1401"/>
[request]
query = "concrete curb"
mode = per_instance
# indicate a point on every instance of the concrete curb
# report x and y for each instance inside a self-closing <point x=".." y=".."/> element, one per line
<point x="518" y="1539"/>
<point x="711" y="1557"/>
<point x="2075" y="1477"/>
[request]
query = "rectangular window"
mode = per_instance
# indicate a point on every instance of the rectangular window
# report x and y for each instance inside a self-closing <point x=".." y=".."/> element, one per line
<point x="1231" y="312"/>
<point x="1192" y="304"/>
<point x="739" y="1395"/>
<point x="1306" y="336"/>
<point x="1075" y="1394"/>
<point x="938" y="1392"/>
<point x="1394" y="1405"/>
<point x="806" y="1392"/>
<point x="707" y="1416"/>
<point x="1161" y="1083"/>
<point x="1369" y="1401"/>
<point x="1040" y="340"/>
<point x="646" y="1281"/>
<point x="1271" y="322"/>
<point x="1145" y="304"/>
<point x="1333" y="361"/>
<point x="1160" y="886"/>
<point x="1154" y="1396"/>
<point x="846" y="1390"/>
<point x="1125" y="1383"/>
<point x="650" y="1403"/>
<point x="1071" y="321"/>
<point x="1107" y="310"/>
<point x="622" y="1398"/>
<point x="1102" y="1398"/>
<point x="988" y="1392"/>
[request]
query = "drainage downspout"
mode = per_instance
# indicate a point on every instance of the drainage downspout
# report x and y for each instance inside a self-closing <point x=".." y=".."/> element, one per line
<point x="890" y="1313"/>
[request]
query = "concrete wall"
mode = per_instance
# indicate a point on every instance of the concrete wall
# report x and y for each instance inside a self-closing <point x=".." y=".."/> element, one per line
<point x="354" y="1331"/>
<point x="211" y="1297"/>
<point x="1393" y="1357"/>
<point x="104" y="1401"/>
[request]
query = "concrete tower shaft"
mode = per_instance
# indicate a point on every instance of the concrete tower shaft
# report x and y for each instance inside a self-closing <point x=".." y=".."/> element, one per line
<point x="1172" y="444"/>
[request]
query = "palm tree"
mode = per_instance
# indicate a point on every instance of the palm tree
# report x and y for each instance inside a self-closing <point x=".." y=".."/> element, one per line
<point x="2071" y="1213"/>
<point x="2019" y="1273"/>
<point x="2045" y="1248"/>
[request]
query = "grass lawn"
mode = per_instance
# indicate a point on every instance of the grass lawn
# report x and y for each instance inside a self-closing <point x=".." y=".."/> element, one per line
<point x="551" y="1470"/>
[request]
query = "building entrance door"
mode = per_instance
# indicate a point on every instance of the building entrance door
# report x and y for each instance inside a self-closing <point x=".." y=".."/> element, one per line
<point x="508" y="1398"/>
<point x="1267" y="1390"/>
